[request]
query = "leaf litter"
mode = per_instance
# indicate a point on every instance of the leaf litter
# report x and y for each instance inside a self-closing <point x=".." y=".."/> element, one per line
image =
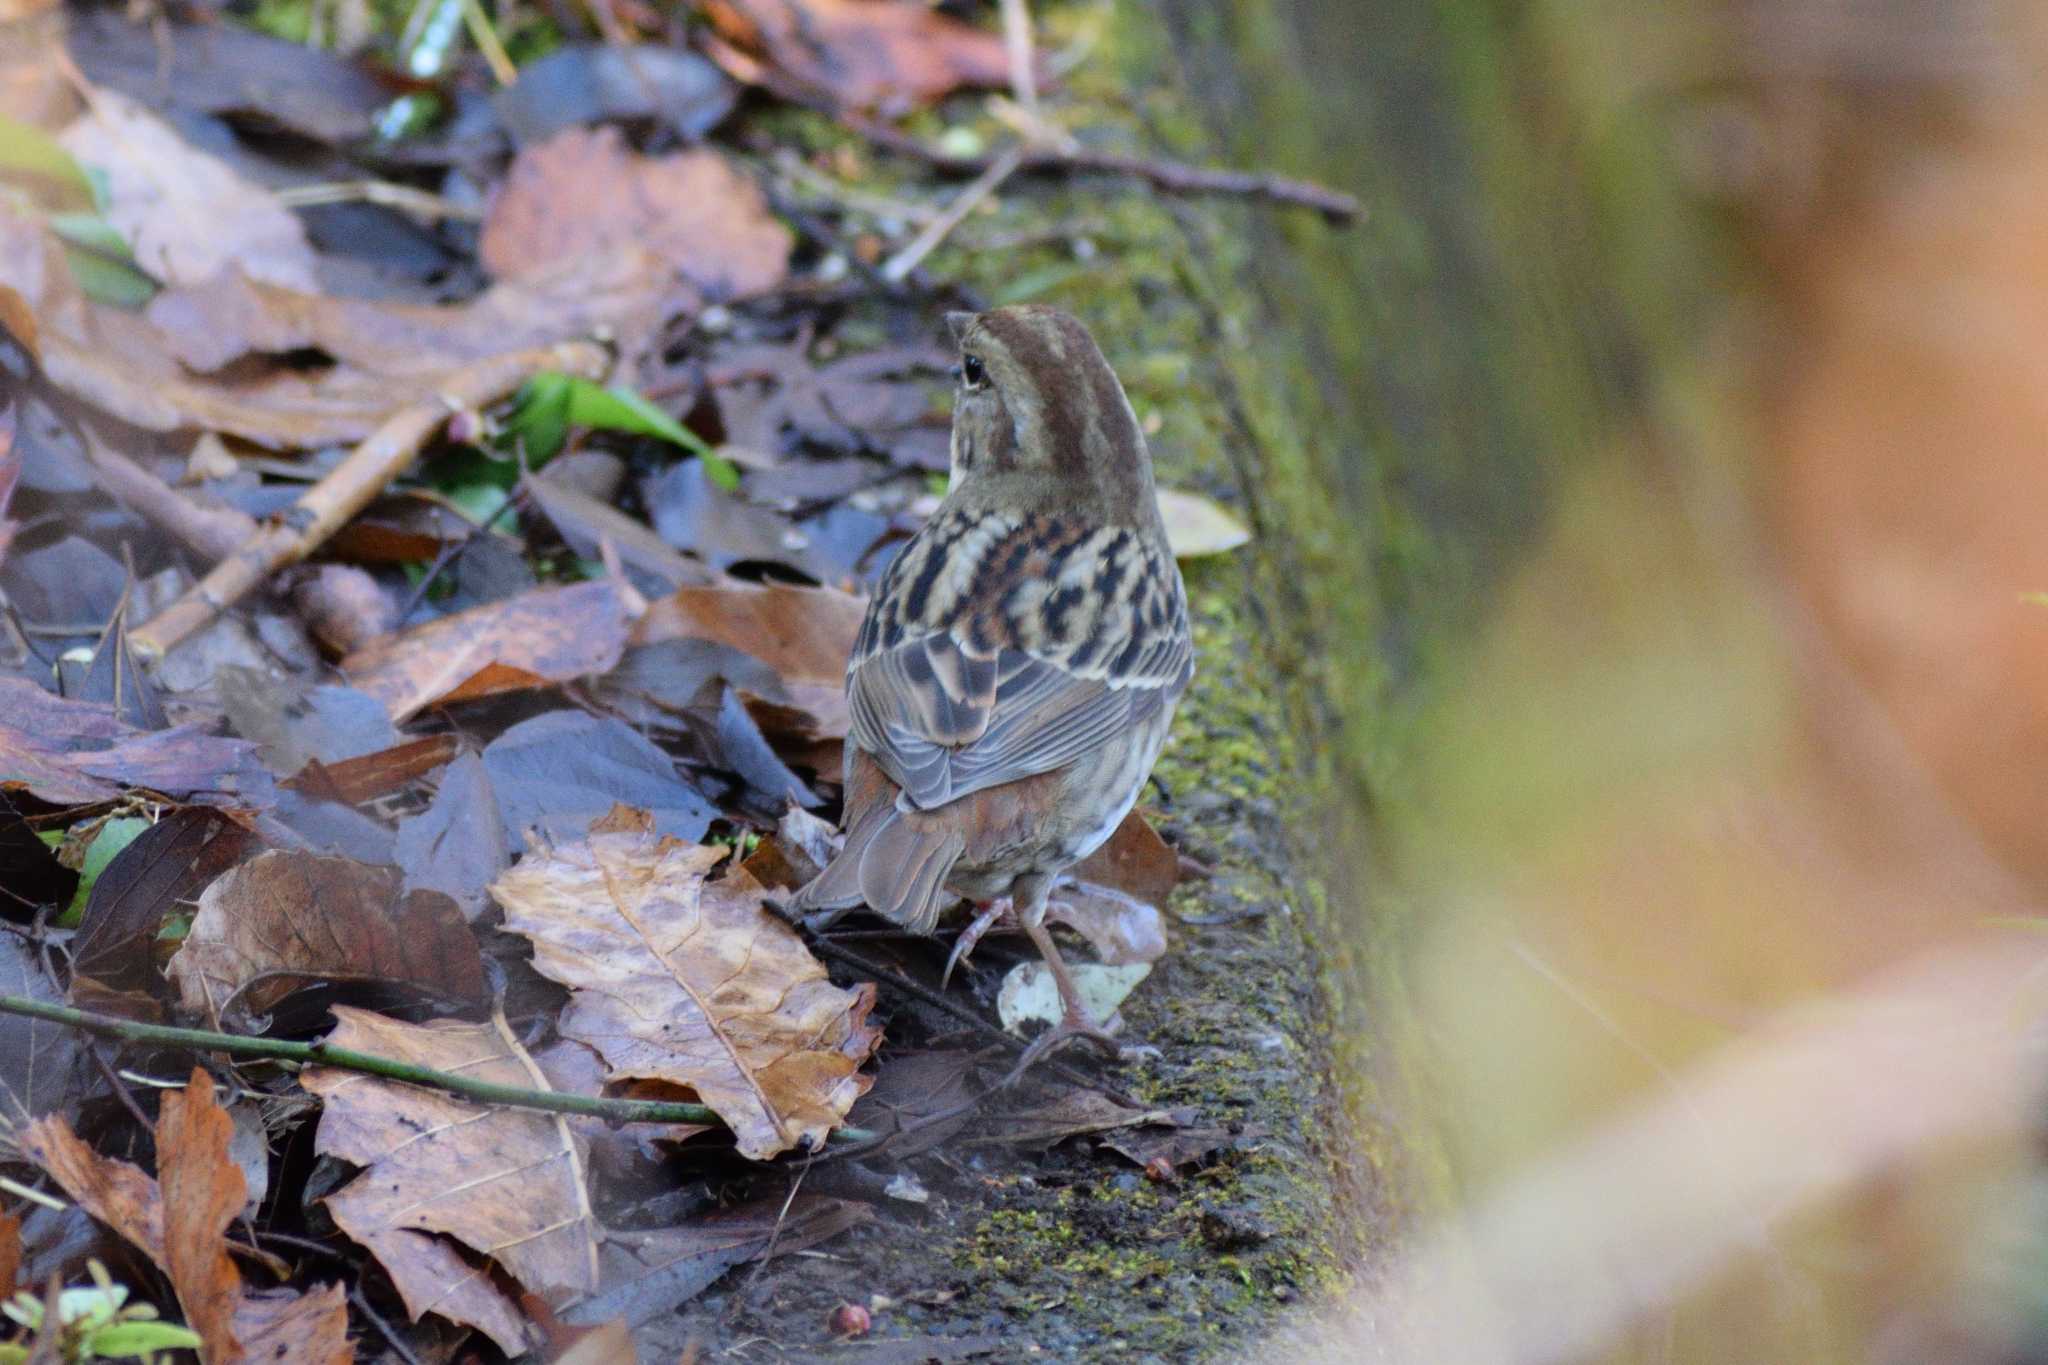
<point x="507" y="778"/>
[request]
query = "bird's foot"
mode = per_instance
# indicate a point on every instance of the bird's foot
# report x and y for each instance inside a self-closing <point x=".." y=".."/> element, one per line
<point x="1078" y="1027"/>
<point x="986" y="919"/>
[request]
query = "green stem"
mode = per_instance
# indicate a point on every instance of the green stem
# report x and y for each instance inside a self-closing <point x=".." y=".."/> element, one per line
<point x="347" y="1059"/>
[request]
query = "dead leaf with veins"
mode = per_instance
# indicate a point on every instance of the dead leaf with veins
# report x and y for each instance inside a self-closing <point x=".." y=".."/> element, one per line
<point x="681" y="979"/>
<point x="287" y="917"/>
<point x="447" y="1180"/>
<point x="180" y="1222"/>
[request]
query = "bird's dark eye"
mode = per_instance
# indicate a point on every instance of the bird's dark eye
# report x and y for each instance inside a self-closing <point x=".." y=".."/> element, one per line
<point x="971" y="370"/>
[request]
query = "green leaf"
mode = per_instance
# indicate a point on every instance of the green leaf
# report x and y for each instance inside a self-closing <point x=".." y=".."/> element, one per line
<point x="114" y="836"/>
<point x="552" y="402"/>
<point x="477" y="482"/>
<point x="127" y="1339"/>
<point x="37" y="163"/>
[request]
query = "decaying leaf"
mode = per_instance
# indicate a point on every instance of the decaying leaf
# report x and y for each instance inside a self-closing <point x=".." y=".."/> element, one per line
<point x="40" y="1062"/>
<point x="213" y="68"/>
<point x="549" y="635"/>
<point x="76" y="752"/>
<point x="508" y="1184"/>
<point x="889" y="55"/>
<point x="680" y="979"/>
<point x="1121" y="929"/>
<point x="181" y="1224"/>
<point x="559" y="771"/>
<point x="145" y="369"/>
<point x="1196" y="526"/>
<point x="1029" y="993"/>
<point x="157" y="875"/>
<point x="185" y="213"/>
<point x="1179" y="1146"/>
<point x="804" y="634"/>
<point x="457" y="844"/>
<point x="1071" y="1113"/>
<point x="647" y="1274"/>
<point x="584" y="192"/>
<point x="1135" y="861"/>
<point x="287" y="917"/>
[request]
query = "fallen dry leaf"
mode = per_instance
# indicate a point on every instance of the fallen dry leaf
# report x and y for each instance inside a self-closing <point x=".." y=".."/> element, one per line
<point x="186" y="214"/>
<point x="561" y="770"/>
<point x="144" y="369"/>
<point x="647" y="1274"/>
<point x="287" y="917"/>
<point x="1133" y="860"/>
<point x="155" y="876"/>
<point x="203" y="1191"/>
<point x="42" y="1064"/>
<point x="548" y="635"/>
<point x="76" y="752"/>
<point x="887" y="55"/>
<point x="1196" y="526"/>
<point x="1072" y="1113"/>
<point x="804" y="634"/>
<point x="683" y="980"/>
<point x="181" y="1225"/>
<point x="584" y="192"/>
<point x="508" y="1184"/>
<point x="1122" y="930"/>
<point x="215" y="68"/>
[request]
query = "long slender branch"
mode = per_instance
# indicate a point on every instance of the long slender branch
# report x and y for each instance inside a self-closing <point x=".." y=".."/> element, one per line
<point x="1173" y="177"/>
<point x="348" y="1059"/>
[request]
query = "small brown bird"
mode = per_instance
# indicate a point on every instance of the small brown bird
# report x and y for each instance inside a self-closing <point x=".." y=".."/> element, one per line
<point x="1013" y="682"/>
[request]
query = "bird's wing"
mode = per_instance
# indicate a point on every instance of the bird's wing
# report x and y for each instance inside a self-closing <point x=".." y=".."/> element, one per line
<point x="998" y="648"/>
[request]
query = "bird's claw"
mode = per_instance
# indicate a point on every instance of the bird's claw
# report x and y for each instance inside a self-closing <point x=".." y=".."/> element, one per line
<point x="971" y="935"/>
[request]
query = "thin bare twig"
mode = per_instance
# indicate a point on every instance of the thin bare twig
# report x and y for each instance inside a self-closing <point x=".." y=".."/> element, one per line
<point x="899" y="266"/>
<point x="1173" y="177"/>
<point x="351" y="486"/>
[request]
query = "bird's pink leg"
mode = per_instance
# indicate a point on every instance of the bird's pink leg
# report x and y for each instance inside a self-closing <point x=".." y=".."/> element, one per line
<point x="1076" y="1024"/>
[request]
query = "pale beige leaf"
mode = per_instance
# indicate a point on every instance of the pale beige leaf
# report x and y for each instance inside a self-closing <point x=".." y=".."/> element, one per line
<point x="509" y="1184"/>
<point x="186" y="214"/>
<point x="1196" y="526"/>
<point x="689" y="981"/>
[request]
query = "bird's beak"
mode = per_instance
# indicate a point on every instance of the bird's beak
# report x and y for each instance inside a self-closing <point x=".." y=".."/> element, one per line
<point x="957" y="324"/>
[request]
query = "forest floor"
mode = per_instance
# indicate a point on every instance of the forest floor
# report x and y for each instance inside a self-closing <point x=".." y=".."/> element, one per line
<point x="630" y="645"/>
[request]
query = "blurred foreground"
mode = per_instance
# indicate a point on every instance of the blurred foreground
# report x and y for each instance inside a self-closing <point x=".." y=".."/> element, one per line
<point x="1732" y="843"/>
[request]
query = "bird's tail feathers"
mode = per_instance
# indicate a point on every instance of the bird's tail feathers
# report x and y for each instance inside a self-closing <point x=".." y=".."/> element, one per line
<point x="898" y="871"/>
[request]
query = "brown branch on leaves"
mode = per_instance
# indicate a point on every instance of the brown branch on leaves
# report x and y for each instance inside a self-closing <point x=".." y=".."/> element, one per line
<point x="1173" y="177"/>
<point x="352" y="485"/>
<point x="348" y="1059"/>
